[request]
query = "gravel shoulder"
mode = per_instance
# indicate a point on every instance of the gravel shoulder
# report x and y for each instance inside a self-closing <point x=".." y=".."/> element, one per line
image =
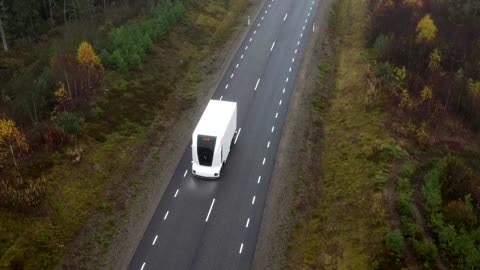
<point x="291" y="161"/>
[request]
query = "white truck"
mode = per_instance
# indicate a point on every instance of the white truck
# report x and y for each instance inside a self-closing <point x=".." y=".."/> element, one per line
<point x="213" y="137"/>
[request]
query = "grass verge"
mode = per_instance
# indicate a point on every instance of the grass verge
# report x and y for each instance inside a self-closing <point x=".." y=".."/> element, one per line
<point x="341" y="220"/>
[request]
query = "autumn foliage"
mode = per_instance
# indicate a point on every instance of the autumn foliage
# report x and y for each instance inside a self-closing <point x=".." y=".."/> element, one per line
<point x="436" y="45"/>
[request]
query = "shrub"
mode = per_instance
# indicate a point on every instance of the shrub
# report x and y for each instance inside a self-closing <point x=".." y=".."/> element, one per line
<point x="456" y="178"/>
<point x="425" y="249"/>
<point x="410" y="228"/>
<point x="460" y="213"/>
<point x="395" y="243"/>
<point x="431" y="191"/>
<point x="69" y="122"/>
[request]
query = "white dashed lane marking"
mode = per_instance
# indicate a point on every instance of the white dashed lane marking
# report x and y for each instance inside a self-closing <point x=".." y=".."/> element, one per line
<point x="176" y="192"/>
<point x="273" y="128"/>
<point x="210" y="210"/>
<point x="256" y="85"/>
<point x="253" y="200"/>
<point x="241" y="248"/>
<point x="166" y="215"/>
<point x="259" y="179"/>
<point x="268" y="144"/>
<point x="264" y="159"/>
<point x="143" y="265"/>
<point x="155" y="240"/>
<point x="248" y="221"/>
<point x="284" y="18"/>
<point x="185" y="174"/>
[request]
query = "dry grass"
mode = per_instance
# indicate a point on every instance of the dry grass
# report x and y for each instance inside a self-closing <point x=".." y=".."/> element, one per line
<point x="346" y="222"/>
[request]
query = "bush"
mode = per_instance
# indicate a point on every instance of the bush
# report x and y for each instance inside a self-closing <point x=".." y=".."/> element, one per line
<point x="456" y="178"/>
<point x="69" y="122"/>
<point x="425" y="249"/>
<point x="410" y="228"/>
<point x="431" y="191"/>
<point x="460" y="213"/>
<point x="395" y="243"/>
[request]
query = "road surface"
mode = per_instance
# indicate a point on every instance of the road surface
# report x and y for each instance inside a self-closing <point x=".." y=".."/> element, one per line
<point x="204" y="224"/>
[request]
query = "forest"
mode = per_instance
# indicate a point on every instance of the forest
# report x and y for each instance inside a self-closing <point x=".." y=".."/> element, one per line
<point x="52" y="74"/>
<point x="84" y="84"/>
<point x="426" y="69"/>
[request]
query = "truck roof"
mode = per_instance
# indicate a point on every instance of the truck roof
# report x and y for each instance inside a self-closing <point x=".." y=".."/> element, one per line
<point x="215" y="118"/>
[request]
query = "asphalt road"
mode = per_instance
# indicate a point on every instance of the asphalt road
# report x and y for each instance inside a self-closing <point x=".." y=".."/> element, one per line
<point x="205" y="224"/>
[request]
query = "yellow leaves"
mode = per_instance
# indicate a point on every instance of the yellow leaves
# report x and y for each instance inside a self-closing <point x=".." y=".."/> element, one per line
<point x="405" y="101"/>
<point x="11" y="137"/>
<point x="86" y="56"/>
<point x="473" y="87"/>
<point x="426" y="29"/>
<point x="400" y="73"/>
<point x="60" y="94"/>
<point x="434" y="60"/>
<point x="426" y="93"/>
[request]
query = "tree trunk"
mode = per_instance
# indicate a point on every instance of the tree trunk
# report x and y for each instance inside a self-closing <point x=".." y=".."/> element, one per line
<point x="4" y="39"/>
<point x="51" y="12"/>
<point x="13" y="155"/>
<point x="68" y="84"/>
<point x="65" y="11"/>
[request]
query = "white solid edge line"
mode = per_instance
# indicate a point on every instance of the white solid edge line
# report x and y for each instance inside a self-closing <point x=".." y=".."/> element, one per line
<point x="264" y="159"/>
<point x="143" y="265"/>
<point x="273" y="45"/>
<point x="210" y="210"/>
<point x="284" y="18"/>
<point x="185" y="174"/>
<point x="248" y="222"/>
<point x="268" y="144"/>
<point x="155" y="240"/>
<point x="166" y="215"/>
<point x="238" y="134"/>
<point x="253" y="200"/>
<point x="241" y="248"/>
<point x="176" y="193"/>
<point x="256" y="85"/>
<point x="221" y="97"/>
<point x="259" y="178"/>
